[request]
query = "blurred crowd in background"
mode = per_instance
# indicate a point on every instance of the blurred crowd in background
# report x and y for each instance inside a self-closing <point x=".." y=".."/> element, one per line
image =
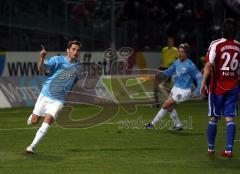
<point x="141" y="24"/>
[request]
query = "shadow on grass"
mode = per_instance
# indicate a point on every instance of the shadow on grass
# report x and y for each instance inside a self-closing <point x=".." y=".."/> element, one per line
<point x="44" y="157"/>
<point x="225" y="163"/>
<point x="121" y="149"/>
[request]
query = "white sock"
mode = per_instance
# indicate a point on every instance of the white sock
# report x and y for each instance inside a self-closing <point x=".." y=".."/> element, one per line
<point x="174" y="116"/>
<point x="40" y="134"/>
<point x="159" y="116"/>
<point x="29" y="121"/>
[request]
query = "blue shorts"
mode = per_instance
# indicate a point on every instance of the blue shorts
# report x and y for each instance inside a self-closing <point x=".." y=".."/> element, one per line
<point x="223" y="105"/>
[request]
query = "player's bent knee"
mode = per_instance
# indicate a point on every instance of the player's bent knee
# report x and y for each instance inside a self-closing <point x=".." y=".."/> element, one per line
<point x="49" y="119"/>
<point x="229" y="119"/>
<point x="213" y="118"/>
<point x="165" y="106"/>
<point x="169" y="104"/>
<point x="171" y="108"/>
<point x="35" y="119"/>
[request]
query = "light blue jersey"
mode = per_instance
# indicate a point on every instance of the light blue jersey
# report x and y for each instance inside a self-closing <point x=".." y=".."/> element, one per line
<point x="185" y="73"/>
<point x="63" y="75"/>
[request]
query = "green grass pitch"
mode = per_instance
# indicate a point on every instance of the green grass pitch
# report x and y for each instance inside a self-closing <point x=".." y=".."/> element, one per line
<point x="118" y="146"/>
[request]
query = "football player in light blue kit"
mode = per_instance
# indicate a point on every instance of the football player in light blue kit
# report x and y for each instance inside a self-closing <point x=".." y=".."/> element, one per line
<point x="64" y="72"/>
<point x="185" y="72"/>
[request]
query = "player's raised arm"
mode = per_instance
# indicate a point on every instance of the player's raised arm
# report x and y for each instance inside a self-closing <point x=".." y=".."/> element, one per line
<point x="42" y="57"/>
<point x="171" y="70"/>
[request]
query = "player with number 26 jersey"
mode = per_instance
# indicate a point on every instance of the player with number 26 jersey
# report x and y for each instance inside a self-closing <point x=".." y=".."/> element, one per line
<point x="225" y="56"/>
<point x="222" y="61"/>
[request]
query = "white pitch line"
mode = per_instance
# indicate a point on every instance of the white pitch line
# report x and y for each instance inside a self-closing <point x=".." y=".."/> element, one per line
<point x="112" y="123"/>
<point x="14" y="112"/>
<point x="23" y="128"/>
<point x="18" y="128"/>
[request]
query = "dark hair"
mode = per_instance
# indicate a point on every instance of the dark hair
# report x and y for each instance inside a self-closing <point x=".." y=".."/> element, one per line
<point x="229" y="29"/>
<point x="74" y="42"/>
<point x="186" y="47"/>
<point x="171" y="37"/>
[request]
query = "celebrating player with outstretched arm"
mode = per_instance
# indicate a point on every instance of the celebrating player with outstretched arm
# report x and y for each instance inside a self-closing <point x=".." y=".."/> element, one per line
<point x="185" y="72"/>
<point x="223" y="63"/>
<point x="64" y="71"/>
